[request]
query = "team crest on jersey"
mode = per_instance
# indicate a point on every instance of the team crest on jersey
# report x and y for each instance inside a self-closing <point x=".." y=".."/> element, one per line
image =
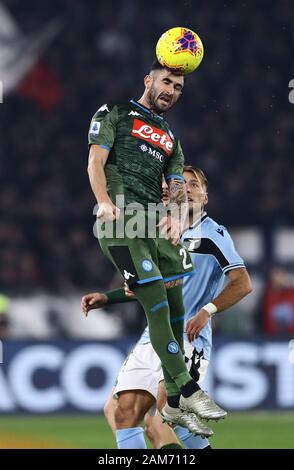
<point x="192" y="244"/>
<point x="95" y="128"/>
<point x="151" y="134"/>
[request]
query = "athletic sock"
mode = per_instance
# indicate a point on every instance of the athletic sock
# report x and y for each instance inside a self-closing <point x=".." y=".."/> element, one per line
<point x="189" y="440"/>
<point x="153" y="297"/>
<point x="189" y="388"/>
<point x="173" y="401"/>
<point x="130" y="438"/>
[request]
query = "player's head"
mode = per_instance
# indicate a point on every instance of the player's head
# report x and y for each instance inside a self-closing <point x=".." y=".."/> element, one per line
<point x="197" y="186"/>
<point x="163" y="87"/>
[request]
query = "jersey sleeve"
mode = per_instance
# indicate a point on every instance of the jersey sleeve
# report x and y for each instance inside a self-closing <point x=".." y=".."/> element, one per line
<point x="175" y="165"/>
<point x="223" y="248"/>
<point x="103" y="127"/>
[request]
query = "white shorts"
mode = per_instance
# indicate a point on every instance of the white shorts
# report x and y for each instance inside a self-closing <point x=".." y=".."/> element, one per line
<point x="142" y="370"/>
<point x="195" y="362"/>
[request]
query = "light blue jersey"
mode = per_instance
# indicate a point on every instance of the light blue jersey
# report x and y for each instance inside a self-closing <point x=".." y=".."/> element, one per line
<point x="213" y="254"/>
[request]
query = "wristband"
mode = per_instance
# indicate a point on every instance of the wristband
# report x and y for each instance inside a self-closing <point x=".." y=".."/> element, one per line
<point x="210" y="309"/>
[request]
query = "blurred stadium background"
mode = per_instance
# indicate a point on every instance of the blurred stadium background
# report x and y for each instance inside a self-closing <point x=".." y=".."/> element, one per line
<point x="59" y="61"/>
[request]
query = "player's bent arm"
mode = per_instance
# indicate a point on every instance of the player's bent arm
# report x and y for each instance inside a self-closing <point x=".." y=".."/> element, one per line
<point x="174" y="225"/>
<point x="97" y="159"/>
<point x="117" y="296"/>
<point x="97" y="300"/>
<point x="107" y="211"/>
<point x="239" y="286"/>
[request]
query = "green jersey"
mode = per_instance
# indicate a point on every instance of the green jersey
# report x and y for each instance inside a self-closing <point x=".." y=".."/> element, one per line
<point x="142" y="150"/>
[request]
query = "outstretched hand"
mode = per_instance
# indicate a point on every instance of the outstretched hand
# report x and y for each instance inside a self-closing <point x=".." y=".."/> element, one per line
<point x="107" y="212"/>
<point x="93" y="301"/>
<point x="171" y="229"/>
<point x="196" y="323"/>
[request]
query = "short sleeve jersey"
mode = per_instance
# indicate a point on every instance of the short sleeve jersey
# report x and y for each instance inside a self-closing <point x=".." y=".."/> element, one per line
<point x="142" y="149"/>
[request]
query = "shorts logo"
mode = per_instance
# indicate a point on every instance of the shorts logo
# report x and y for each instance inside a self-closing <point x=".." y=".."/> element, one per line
<point x="127" y="275"/>
<point x="147" y="265"/>
<point x="153" y="135"/>
<point x="173" y="347"/>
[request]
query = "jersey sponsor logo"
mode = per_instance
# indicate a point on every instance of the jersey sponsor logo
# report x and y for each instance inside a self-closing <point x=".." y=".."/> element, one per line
<point x="144" y="148"/>
<point x="102" y="108"/>
<point x="147" y="265"/>
<point x="154" y="153"/>
<point x="95" y="128"/>
<point x="173" y="347"/>
<point x="127" y="275"/>
<point x="153" y="135"/>
<point x="134" y="113"/>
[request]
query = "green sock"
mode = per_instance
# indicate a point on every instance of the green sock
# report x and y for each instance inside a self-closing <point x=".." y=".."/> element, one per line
<point x="177" y="312"/>
<point x="153" y="298"/>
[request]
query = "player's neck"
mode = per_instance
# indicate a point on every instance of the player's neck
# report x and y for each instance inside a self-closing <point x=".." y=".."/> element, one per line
<point x="194" y="217"/>
<point x="143" y="101"/>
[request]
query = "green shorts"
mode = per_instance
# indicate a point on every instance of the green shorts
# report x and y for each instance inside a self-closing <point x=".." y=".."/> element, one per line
<point x="144" y="259"/>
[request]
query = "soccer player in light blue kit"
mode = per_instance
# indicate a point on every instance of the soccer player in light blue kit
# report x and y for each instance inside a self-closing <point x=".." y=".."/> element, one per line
<point x="214" y="256"/>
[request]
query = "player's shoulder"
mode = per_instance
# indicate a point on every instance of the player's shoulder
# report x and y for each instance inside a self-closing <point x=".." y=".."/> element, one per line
<point x="173" y="135"/>
<point x="104" y="109"/>
<point x="214" y="231"/>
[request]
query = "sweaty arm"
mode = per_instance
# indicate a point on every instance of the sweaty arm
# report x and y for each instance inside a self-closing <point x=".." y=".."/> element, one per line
<point x="239" y="286"/>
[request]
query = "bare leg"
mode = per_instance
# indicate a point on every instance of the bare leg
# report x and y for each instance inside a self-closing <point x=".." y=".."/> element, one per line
<point x="132" y="405"/>
<point x="109" y="411"/>
<point x="158" y="433"/>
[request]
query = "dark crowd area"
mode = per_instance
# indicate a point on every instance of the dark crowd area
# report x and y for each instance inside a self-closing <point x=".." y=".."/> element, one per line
<point x="234" y="120"/>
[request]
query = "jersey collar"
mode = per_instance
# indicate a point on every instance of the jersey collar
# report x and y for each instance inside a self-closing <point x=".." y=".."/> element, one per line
<point x="146" y="109"/>
<point x="198" y="221"/>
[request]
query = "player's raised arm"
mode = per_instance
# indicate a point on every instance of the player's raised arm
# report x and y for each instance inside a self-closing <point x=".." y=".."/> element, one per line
<point x="239" y="286"/>
<point x="101" y="137"/>
<point x="97" y="158"/>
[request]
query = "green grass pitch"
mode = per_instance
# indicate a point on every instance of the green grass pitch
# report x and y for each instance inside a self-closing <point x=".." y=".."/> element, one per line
<point x="251" y="430"/>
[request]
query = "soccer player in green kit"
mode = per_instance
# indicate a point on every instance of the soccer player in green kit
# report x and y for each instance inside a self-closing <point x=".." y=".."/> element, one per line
<point x="131" y="149"/>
